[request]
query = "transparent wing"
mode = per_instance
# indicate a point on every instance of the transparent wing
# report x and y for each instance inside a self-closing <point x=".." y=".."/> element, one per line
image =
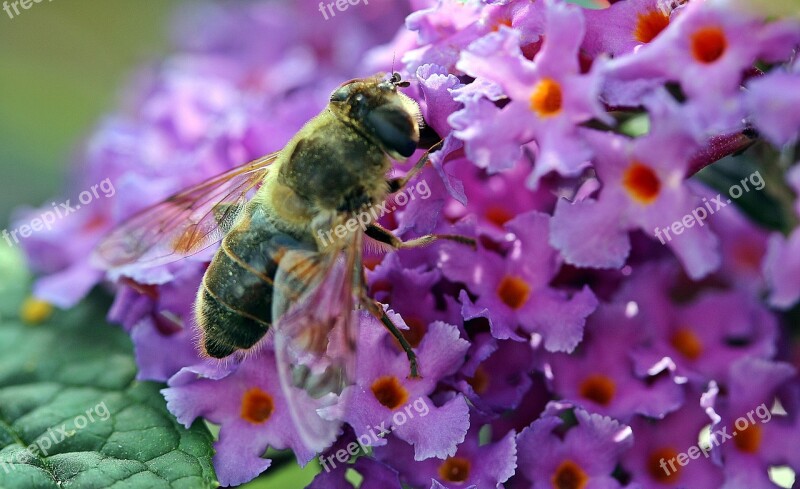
<point x="186" y="223"/>
<point x="315" y="335"/>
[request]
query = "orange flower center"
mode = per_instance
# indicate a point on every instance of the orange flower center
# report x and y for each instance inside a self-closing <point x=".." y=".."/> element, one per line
<point x="749" y="440"/>
<point x="498" y="215"/>
<point x="687" y="343"/>
<point x="642" y="183"/>
<point x="505" y="22"/>
<point x="569" y="475"/>
<point x="657" y="470"/>
<point x="479" y="381"/>
<point x="257" y="406"/>
<point x="455" y="469"/>
<point x="389" y="392"/>
<point x="513" y="291"/>
<point x="546" y="99"/>
<point x="650" y="24"/>
<point x="709" y="44"/>
<point x="598" y="388"/>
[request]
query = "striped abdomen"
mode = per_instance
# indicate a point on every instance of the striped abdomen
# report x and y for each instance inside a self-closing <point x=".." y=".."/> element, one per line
<point x="234" y="303"/>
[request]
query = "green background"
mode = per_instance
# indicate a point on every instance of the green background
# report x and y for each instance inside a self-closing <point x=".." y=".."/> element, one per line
<point x="63" y="64"/>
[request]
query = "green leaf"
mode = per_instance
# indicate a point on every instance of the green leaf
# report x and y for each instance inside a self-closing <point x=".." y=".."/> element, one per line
<point x="763" y="205"/>
<point x="75" y="374"/>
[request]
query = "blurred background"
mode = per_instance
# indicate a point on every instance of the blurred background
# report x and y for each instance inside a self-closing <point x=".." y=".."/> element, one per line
<point x="63" y="63"/>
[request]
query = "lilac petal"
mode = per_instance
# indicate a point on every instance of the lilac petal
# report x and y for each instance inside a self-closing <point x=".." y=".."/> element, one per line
<point x="782" y="269"/>
<point x="560" y="319"/>
<point x="454" y="186"/>
<point x="485" y="131"/>
<point x="237" y="459"/>
<point x="64" y="289"/>
<point x="778" y="118"/>
<point x="376" y="474"/>
<point x="503" y="324"/>
<point x="438" y="433"/>
<point x="587" y="234"/>
<point x="436" y="85"/>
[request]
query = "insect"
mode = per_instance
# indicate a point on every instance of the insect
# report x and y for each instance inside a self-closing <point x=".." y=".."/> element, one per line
<point x="272" y="273"/>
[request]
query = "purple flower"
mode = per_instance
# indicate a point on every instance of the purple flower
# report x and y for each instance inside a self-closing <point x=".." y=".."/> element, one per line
<point x="548" y="96"/>
<point x="513" y="292"/>
<point x="624" y="26"/>
<point x="654" y="459"/>
<point x="749" y="436"/>
<point x="385" y="400"/>
<point x="583" y="457"/>
<point x="706" y="49"/>
<point x="602" y="376"/>
<point x="247" y="402"/>
<point x="711" y="333"/>
<point x="643" y="188"/>
<point x="474" y="465"/>
<point x="496" y="373"/>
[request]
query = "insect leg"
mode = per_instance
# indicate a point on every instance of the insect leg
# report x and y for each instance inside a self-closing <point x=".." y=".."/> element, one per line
<point x="377" y="310"/>
<point x="396" y="184"/>
<point x="379" y="233"/>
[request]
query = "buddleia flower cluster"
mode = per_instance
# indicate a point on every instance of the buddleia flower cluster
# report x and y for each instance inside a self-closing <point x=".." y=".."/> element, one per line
<point x="628" y="171"/>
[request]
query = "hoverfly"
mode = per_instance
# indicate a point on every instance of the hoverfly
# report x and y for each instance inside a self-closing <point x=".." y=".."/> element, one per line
<point x="271" y="271"/>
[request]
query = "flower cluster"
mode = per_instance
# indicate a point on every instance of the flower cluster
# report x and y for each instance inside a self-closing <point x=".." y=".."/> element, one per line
<point x="570" y="348"/>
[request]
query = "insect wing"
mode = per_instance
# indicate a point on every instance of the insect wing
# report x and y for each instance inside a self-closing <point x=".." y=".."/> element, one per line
<point x="315" y="335"/>
<point x="186" y="223"/>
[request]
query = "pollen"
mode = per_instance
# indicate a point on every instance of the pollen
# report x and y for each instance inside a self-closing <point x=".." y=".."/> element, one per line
<point x="650" y="24"/>
<point x="642" y="183"/>
<point x="748" y="440"/>
<point x="708" y="44"/>
<point x="687" y="343"/>
<point x="569" y="475"/>
<point x="390" y="392"/>
<point x="598" y="388"/>
<point x="513" y="291"/>
<point x="257" y="406"/>
<point x="35" y="311"/>
<point x="455" y="469"/>
<point x="546" y="99"/>
<point x="655" y="466"/>
<point x="480" y="381"/>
